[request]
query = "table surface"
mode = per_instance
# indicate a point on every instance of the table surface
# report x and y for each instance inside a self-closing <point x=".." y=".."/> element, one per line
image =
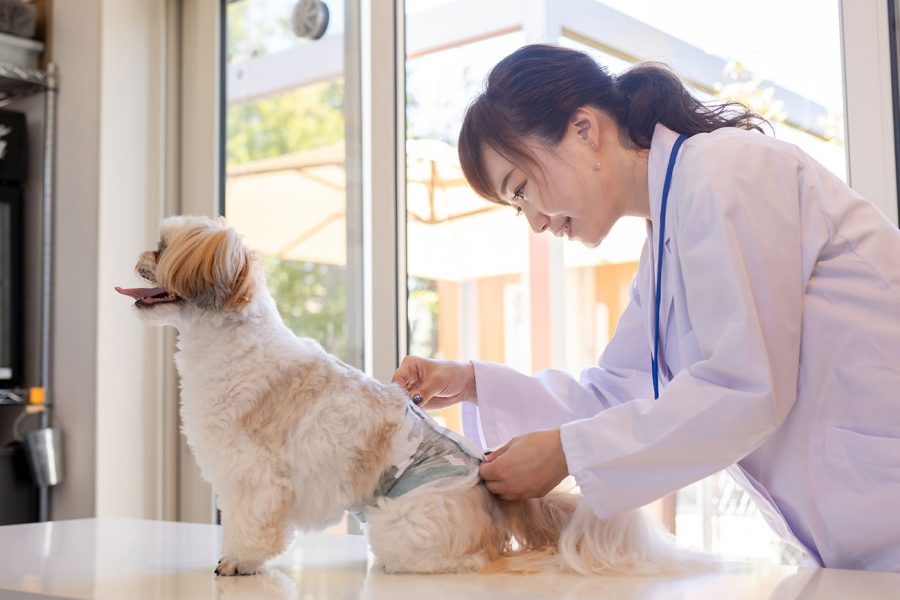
<point x="142" y="559"/>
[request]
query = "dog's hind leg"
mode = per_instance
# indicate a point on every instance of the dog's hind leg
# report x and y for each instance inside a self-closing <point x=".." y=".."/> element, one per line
<point x="443" y="532"/>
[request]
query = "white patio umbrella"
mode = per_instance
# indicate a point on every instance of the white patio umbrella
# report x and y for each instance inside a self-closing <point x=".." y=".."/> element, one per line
<point x="294" y="206"/>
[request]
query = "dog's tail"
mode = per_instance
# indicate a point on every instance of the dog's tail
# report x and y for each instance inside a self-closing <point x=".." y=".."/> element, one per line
<point x="560" y="532"/>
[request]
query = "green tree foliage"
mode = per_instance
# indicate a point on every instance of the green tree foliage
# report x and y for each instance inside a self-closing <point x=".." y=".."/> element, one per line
<point x="312" y="299"/>
<point x="423" y="311"/>
<point x="258" y="27"/>
<point x="306" y="117"/>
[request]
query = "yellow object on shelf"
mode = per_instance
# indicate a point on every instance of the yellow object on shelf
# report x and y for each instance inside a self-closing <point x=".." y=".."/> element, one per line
<point x="36" y="395"/>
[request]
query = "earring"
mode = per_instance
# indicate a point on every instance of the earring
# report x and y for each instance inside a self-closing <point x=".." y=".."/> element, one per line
<point x="597" y="165"/>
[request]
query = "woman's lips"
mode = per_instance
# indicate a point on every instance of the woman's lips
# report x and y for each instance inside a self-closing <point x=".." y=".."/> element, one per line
<point x="565" y="230"/>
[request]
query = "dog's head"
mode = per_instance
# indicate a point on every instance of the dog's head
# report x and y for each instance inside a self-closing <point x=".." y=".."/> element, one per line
<point x="200" y="264"/>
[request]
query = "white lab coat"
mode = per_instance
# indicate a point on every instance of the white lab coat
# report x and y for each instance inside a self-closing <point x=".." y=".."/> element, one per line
<point x="780" y="334"/>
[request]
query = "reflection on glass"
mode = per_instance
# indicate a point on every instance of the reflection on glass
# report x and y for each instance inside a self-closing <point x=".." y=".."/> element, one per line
<point x="286" y="180"/>
<point x="258" y="28"/>
<point x="463" y="253"/>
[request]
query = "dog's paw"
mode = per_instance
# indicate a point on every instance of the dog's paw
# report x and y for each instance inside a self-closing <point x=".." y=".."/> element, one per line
<point x="230" y="566"/>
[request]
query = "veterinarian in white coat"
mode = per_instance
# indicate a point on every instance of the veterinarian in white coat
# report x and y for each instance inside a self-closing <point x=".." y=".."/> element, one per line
<point x="778" y="312"/>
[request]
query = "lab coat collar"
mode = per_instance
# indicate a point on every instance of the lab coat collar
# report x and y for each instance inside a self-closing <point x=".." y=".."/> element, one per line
<point x="660" y="146"/>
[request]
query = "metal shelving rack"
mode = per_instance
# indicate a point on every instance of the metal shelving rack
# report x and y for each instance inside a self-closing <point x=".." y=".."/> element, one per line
<point x="18" y="82"/>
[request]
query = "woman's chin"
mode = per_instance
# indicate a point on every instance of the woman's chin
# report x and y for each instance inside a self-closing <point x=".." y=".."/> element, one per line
<point x="590" y="239"/>
<point x="590" y="242"/>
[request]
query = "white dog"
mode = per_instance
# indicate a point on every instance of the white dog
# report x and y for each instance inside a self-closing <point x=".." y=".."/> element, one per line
<point x="290" y="438"/>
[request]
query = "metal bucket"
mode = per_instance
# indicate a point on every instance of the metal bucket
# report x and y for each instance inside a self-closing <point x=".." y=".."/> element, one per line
<point x="44" y="450"/>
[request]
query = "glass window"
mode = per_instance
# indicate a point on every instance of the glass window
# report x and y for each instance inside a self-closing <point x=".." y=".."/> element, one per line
<point x="467" y="259"/>
<point x="286" y="183"/>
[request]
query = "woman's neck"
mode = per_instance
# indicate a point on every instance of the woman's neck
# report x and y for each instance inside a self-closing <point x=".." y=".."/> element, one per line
<point x="639" y="202"/>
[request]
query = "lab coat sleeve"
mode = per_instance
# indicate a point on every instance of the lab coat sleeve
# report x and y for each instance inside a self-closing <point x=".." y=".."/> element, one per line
<point x="511" y="403"/>
<point x="739" y="250"/>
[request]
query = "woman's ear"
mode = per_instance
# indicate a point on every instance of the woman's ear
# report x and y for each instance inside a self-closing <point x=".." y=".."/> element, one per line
<point x="583" y="121"/>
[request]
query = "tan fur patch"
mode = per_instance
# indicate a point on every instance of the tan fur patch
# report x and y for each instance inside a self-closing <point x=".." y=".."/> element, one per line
<point x="242" y="290"/>
<point x="208" y="265"/>
<point x="367" y="466"/>
<point x="536" y="523"/>
<point x="276" y="414"/>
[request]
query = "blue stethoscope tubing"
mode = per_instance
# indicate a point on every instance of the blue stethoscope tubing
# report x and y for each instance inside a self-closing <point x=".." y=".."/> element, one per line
<point x="654" y="355"/>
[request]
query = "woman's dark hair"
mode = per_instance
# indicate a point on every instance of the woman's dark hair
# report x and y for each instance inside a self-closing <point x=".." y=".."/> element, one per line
<point x="533" y="93"/>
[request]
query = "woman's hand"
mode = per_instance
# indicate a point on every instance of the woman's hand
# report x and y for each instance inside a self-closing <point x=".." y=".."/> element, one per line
<point x="439" y="383"/>
<point x="527" y="466"/>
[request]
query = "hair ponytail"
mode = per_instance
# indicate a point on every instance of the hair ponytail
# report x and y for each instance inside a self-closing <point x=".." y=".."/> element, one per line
<point x="650" y="93"/>
<point x="534" y="92"/>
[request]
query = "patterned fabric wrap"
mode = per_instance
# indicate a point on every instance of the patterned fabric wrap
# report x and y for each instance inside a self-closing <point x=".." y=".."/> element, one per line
<point x="425" y="455"/>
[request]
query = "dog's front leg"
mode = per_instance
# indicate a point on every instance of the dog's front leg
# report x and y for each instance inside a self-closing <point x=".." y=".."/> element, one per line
<point x="255" y="529"/>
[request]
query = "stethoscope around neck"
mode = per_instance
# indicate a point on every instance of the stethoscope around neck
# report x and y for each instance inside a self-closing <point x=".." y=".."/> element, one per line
<point x="654" y="354"/>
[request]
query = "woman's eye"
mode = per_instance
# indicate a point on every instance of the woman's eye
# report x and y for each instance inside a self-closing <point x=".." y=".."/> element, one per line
<point x="519" y="194"/>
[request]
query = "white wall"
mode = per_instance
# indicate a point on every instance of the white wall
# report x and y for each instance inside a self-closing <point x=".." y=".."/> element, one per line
<point x="106" y="365"/>
<point x="130" y="204"/>
<point x="75" y="31"/>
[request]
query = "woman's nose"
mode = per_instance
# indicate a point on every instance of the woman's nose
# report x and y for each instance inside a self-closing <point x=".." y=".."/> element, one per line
<point x="538" y="221"/>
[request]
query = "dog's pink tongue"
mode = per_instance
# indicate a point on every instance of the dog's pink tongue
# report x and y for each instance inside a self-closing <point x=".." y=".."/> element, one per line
<point x="141" y="293"/>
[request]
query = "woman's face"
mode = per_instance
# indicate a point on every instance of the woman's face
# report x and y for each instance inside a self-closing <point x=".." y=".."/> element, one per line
<point x="566" y="195"/>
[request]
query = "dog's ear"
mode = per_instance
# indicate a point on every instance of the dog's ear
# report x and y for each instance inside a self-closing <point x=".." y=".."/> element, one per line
<point x="208" y="266"/>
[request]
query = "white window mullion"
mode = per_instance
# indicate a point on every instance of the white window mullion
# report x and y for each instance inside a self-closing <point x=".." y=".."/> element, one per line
<point x="198" y="187"/>
<point x="868" y="99"/>
<point x="384" y="206"/>
<point x="352" y="73"/>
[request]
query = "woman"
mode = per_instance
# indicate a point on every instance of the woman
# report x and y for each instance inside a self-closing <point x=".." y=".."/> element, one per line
<point x="772" y="340"/>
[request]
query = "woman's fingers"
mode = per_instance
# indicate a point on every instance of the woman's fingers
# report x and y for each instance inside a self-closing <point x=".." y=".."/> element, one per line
<point x="406" y="374"/>
<point x="526" y="467"/>
<point x="411" y="375"/>
<point x="490" y="470"/>
<point x="436" y="383"/>
<point x="492" y="455"/>
<point x="495" y="487"/>
<point x="501" y="490"/>
<point x="429" y="381"/>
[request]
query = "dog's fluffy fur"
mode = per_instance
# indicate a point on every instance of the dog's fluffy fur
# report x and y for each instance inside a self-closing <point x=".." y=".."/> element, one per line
<point x="290" y="437"/>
